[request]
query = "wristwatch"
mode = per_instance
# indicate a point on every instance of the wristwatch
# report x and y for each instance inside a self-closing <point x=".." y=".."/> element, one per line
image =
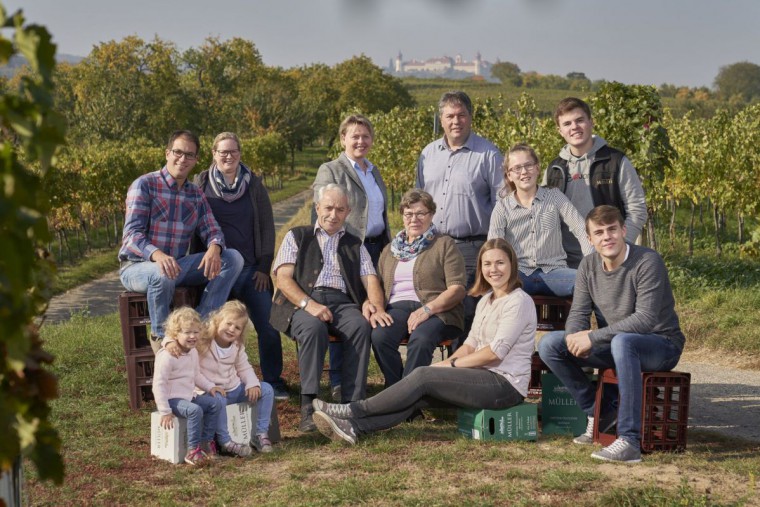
<point x="304" y="302"/>
<point x="453" y="362"/>
<point x="426" y="309"/>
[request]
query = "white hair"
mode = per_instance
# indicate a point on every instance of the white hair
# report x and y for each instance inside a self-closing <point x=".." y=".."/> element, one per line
<point x="331" y="187"/>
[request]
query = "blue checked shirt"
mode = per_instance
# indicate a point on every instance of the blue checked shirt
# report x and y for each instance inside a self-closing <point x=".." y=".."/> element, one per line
<point x="161" y="216"/>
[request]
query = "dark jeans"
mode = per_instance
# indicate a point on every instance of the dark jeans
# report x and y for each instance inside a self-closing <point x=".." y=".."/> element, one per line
<point x="430" y="386"/>
<point x="259" y="304"/>
<point x="311" y="334"/>
<point x="422" y="341"/>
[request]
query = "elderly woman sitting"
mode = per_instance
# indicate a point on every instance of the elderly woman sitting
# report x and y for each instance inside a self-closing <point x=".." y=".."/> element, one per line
<point x="424" y="280"/>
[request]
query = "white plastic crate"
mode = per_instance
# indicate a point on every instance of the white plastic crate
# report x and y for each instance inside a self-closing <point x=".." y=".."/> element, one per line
<point x="170" y="445"/>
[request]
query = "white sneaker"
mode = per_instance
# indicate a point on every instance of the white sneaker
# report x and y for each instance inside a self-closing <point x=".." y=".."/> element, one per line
<point x="586" y="437"/>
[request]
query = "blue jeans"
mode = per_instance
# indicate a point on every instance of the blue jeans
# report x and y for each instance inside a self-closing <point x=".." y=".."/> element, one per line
<point x="259" y="304"/>
<point x="422" y="341"/>
<point x="557" y="282"/>
<point x="146" y="277"/>
<point x="237" y="395"/>
<point x="201" y="415"/>
<point x="629" y="354"/>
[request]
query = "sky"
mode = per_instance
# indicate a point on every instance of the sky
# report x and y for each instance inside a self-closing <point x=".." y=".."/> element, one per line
<point x="632" y="41"/>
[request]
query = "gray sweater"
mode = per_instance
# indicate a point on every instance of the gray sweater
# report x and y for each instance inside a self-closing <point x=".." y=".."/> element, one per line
<point x="634" y="298"/>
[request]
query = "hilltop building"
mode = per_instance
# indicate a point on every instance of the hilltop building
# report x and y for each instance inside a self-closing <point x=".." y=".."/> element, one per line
<point x="445" y="66"/>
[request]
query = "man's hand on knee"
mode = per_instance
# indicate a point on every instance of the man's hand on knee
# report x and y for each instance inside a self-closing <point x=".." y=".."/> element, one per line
<point x="579" y="344"/>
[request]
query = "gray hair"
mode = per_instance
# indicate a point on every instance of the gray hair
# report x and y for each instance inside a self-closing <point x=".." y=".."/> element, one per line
<point x="331" y="187"/>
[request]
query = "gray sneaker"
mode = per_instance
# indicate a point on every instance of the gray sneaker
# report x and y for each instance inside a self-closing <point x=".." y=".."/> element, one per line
<point x="236" y="449"/>
<point x="335" y="410"/>
<point x="334" y="428"/>
<point x="586" y="437"/>
<point x="621" y="450"/>
<point x="337" y="394"/>
<point x="262" y="443"/>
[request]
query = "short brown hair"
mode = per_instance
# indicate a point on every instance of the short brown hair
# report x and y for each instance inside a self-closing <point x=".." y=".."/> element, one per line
<point x="356" y="119"/>
<point x="414" y="196"/>
<point x="187" y="135"/>
<point x="455" y="98"/>
<point x="481" y="286"/>
<point x="568" y="104"/>
<point x="604" y="215"/>
<point x="509" y="186"/>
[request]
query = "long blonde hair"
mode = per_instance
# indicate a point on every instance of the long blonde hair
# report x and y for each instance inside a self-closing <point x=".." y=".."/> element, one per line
<point x="232" y="309"/>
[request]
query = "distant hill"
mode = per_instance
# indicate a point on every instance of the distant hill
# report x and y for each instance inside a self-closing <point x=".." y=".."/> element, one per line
<point x="17" y="62"/>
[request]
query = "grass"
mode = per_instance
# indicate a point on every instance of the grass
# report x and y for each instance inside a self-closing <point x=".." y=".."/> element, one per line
<point x="93" y="266"/>
<point x="106" y="451"/>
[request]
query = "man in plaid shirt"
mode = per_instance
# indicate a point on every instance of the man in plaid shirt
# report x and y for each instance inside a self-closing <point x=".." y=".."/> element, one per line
<point x="164" y="211"/>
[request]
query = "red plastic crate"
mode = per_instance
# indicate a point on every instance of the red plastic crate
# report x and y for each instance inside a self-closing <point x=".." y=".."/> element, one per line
<point x="140" y="378"/>
<point x="551" y="312"/>
<point x="135" y="319"/>
<point x="664" y="410"/>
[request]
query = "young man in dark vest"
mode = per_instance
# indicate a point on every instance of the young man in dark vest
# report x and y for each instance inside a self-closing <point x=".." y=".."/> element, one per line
<point x="326" y="285"/>
<point x="591" y="173"/>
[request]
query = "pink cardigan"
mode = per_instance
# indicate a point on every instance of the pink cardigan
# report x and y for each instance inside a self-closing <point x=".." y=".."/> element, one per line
<point x="176" y="377"/>
<point x="228" y="372"/>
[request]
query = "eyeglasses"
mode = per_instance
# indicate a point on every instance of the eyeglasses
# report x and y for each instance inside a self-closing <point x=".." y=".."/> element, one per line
<point x="517" y="170"/>
<point x="227" y="153"/>
<point x="188" y="155"/>
<point x="419" y="215"/>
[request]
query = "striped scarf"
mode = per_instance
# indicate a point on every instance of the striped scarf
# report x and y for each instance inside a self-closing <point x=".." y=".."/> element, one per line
<point x="233" y="192"/>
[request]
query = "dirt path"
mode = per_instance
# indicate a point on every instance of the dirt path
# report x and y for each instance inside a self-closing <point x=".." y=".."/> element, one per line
<point x="724" y="399"/>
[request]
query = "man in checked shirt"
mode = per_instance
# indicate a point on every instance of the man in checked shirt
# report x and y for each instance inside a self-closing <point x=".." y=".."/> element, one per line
<point x="164" y="210"/>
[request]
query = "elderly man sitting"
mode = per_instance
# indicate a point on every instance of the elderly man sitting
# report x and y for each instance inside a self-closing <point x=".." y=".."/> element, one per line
<point x="326" y="285"/>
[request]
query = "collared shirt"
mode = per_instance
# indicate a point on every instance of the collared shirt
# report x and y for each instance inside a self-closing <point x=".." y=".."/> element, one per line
<point x="535" y="232"/>
<point x="375" y="201"/>
<point x="330" y="275"/>
<point x="464" y="184"/>
<point x="162" y="216"/>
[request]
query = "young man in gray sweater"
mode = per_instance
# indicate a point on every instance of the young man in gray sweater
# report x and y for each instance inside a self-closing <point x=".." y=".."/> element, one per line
<point x="628" y="288"/>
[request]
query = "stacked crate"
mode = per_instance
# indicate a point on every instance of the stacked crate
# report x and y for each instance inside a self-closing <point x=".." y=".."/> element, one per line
<point x="664" y="409"/>
<point x="135" y="334"/>
<point x="551" y="314"/>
